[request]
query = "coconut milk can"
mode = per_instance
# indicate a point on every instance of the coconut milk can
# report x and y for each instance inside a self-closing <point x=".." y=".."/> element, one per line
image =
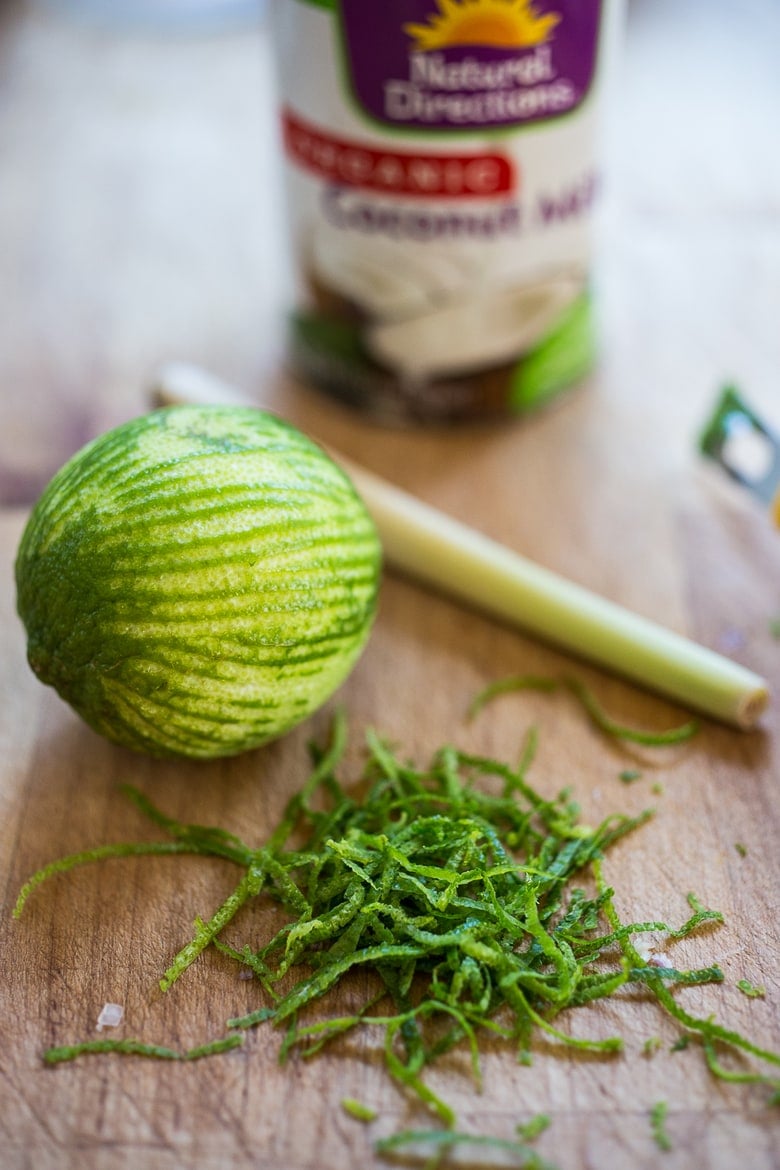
<point x="441" y="173"/>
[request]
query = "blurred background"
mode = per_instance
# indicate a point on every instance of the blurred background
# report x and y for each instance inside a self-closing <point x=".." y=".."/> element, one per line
<point x="141" y="217"/>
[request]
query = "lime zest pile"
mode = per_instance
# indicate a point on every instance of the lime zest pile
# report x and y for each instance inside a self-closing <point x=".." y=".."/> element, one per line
<point x="454" y="886"/>
<point x="593" y="709"/>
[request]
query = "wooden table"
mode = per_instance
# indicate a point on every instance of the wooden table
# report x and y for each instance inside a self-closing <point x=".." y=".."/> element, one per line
<point x="140" y="221"/>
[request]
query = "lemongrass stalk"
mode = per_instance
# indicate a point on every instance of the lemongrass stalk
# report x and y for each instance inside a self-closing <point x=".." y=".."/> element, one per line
<point x="440" y="551"/>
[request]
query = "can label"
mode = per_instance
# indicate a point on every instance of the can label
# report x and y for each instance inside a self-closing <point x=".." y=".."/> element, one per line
<point x="441" y="180"/>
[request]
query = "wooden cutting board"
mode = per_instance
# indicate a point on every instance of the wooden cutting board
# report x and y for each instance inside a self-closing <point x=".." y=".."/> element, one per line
<point x="140" y="225"/>
<point x="105" y="933"/>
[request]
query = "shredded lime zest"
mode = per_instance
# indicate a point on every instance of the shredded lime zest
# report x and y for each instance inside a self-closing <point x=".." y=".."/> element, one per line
<point x="708" y="1031"/>
<point x="751" y="989"/>
<point x="652" y="1045"/>
<point x="658" y="1126"/>
<point x="358" y="1110"/>
<point x="740" y="848"/>
<point x="138" y="1048"/>
<point x="595" y="712"/>
<point x="457" y="890"/>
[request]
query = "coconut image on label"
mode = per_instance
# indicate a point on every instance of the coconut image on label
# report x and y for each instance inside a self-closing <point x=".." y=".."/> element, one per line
<point x="487" y="327"/>
<point x="441" y="180"/>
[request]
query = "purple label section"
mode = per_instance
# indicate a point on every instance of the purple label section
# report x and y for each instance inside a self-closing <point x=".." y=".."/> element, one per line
<point x="469" y="64"/>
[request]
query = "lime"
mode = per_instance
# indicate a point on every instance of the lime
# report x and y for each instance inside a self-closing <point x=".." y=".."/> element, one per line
<point x="198" y="580"/>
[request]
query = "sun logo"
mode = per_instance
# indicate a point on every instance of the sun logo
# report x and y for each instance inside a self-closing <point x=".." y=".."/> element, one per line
<point x="505" y="24"/>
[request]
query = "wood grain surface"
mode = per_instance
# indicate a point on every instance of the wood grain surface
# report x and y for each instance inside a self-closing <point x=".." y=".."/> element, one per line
<point x="140" y="221"/>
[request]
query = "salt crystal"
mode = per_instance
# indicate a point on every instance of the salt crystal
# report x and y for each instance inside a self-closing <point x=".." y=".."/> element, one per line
<point x="644" y="948"/>
<point x="110" y="1016"/>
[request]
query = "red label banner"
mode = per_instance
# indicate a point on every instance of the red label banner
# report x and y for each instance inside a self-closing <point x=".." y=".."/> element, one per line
<point x="394" y="172"/>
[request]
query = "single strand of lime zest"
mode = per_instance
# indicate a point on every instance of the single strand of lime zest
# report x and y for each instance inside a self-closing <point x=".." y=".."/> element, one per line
<point x="584" y="1044"/>
<point x="658" y="1126"/>
<point x="205" y="932"/>
<point x="96" y="1047"/>
<point x="206" y="838"/>
<point x="406" y="1076"/>
<point x="529" y="1130"/>
<point x="735" y="1077"/>
<point x="138" y="1048"/>
<point x="447" y="1139"/>
<point x="214" y="1047"/>
<point x="502" y="686"/>
<point x="357" y="1109"/>
<point x="595" y="712"/>
<point x="751" y="989"/>
<point x="101" y="853"/>
<point x="618" y="730"/>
